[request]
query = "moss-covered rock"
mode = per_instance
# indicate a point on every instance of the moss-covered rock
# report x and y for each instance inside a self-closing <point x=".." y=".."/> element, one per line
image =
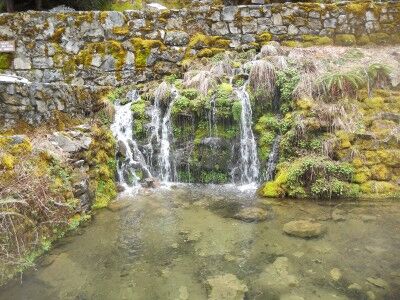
<point x="345" y="39"/>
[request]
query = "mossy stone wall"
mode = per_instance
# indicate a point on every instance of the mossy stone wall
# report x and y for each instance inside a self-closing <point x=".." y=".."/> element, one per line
<point x="113" y="48"/>
<point x="37" y="103"/>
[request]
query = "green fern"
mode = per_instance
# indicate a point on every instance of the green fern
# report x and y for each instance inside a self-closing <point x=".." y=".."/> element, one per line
<point x="341" y="85"/>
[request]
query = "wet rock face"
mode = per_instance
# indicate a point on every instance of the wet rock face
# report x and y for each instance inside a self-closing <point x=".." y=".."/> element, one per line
<point x="304" y="229"/>
<point x="226" y="287"/>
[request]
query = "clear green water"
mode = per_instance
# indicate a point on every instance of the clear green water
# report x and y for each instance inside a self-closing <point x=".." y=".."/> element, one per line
<point x="165" y="244"/>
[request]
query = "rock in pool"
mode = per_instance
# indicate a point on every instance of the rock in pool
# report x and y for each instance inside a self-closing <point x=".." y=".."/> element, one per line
<point x="226" y="287"/>
<point x="252" y="214"/>
<point x="304" y="229"/>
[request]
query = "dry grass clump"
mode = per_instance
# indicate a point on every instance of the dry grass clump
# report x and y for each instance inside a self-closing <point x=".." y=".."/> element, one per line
<point x="203" y="81"/>
<point x="262" y="77"/>
<point x="337" y="116"/>
<point x="162" y="92"/>
<point x="207" y="77"/>
<point x="34" y="202"/>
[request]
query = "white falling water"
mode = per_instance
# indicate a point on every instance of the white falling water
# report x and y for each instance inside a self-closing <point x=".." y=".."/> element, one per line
<point x="212" y="118"/>
<point x="273" y="160"/>
<point x="154" y="127"/>
<point x="122" y="130"/>
<point x="167" y="171"/>
<point x="249" y="164"/>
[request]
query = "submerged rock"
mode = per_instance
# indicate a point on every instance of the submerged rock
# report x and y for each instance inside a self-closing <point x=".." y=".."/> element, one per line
<point x="379" y="282"/>
<point x="354" y="287"/>
<point x="276" y="276"/>
<point x="226" y="287"/>
<point x="368" y="218"/>
<point x="252" y="214"/>
<point x="304" y="229"/>
<point x="290" y="297"/>
<point x="336" y="274"/>
<point x="338" y="215"/>
<point x="151" y="183"/>
<point x="183" y="293"/>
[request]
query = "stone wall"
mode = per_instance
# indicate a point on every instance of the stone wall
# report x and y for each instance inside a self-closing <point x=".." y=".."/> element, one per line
<point x="114" y="48"/>
<point x="36" y="103"/>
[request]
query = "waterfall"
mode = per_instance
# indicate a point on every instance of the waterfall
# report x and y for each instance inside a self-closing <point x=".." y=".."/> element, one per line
<point x="167" y="170"/>
<point x="212" y="118"/>
<point x="154" y="129"/>
<point x="134" y="159"/>
<point x="273" y="159"/>
<point x="248" y="164"/>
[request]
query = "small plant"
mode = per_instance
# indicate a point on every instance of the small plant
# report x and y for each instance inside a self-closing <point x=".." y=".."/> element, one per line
<point x="335" y="85"/>
<point x="378" y="75"/>
<point x="287" y="80"/>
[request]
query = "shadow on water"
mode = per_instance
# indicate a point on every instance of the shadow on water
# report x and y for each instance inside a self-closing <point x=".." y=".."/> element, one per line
<point x="172" y="243"/>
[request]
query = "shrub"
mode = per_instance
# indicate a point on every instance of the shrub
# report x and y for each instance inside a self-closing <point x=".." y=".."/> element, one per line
<point x="315" y="177"/>
<point x="287" y="81"/>
<point x="336" y="85"/>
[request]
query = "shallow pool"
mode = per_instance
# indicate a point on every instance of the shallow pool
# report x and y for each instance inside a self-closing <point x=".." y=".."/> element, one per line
<point x="191" y="242"/>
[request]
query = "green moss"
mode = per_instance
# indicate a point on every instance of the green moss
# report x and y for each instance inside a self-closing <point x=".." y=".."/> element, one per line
<point x="380" y="38"/>
<point x="181" y="106"/>
<point x="264" y="37"/>
<point x="313" y="176"/>
<point x="102" y="163"/>
<point x="210" y="44"/>
<point x="123" y="30"/>
<point x="5" y="60"/>
<point x="236" y="110"/>
<point x="56" y="38"/>
<point x="105" y="192"/>
<point x="140" y="117"/>
<point x="213" y="177"/>
<point x="379" y="187"/>
<point x="84" y="17"/>
<point x="209" y="52"/>
<point x="271" y="190"/>
<point x="142" y="50"/>
<point x="324" y="40"/>
<point x="292" y="44"/>
<point x="345" y="39"/>
<point x="363" y="40"/>
<point x="358" y="9"/>
<point x="122" y="6"/>
<point x="85" y="56"/>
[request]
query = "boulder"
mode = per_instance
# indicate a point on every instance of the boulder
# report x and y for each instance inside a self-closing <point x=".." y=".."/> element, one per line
<point x="176" y="38"/>
<point x="303" y="229"/>
<point x="252" y="214"/>
<point x="226" y="287"/>
<point x="151" y="183"/>
<point x="276" y="276"/>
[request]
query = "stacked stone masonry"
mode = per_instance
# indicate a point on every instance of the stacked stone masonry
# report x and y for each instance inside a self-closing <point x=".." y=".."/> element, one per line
<point x="36" y="103"/>
<point x="115" y="48"/>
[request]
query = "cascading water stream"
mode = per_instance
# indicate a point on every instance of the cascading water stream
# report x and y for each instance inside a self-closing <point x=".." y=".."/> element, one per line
<point x="134" y="159"/>
<point x="273" y="159"/>
<point x="167" y="169"/>
<point x="249" y="163"/>
<point x="154" y="126"/>
<point x="212" y="118"/>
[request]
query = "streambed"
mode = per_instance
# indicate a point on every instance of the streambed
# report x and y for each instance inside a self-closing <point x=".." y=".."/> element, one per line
<point x="187" y="242"/>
